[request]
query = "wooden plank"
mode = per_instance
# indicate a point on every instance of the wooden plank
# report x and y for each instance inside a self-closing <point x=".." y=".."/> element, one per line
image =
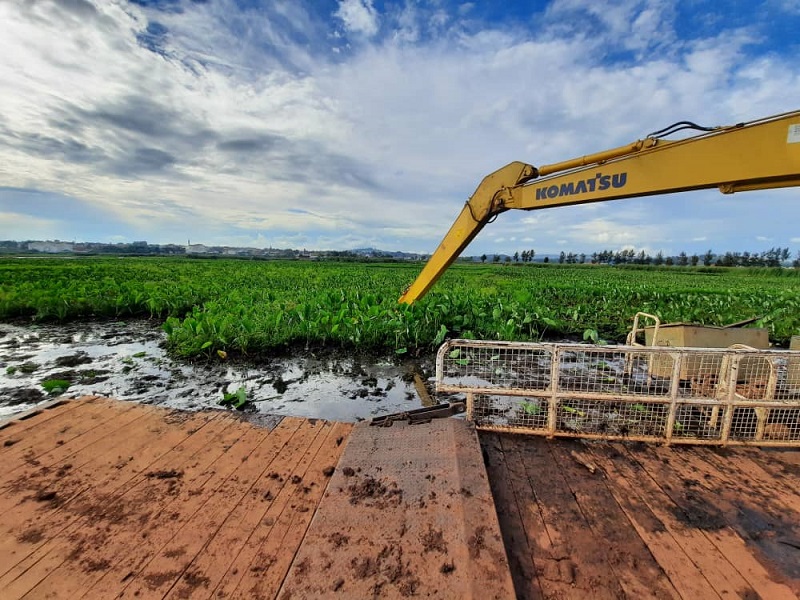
<point x="579" y="557"/>
<point x="397" y="520"/>
<point x="551" y="561"/>
<point x="167" y="506"/>
<point x="154" y="505"/>
<point x="141" y="571"/>
<point x="15" y="425"/>
<point x="170" y="562"/>
<point x="34" y="447"/>
<point x="93" y="548"/>
<point x="43" y="492"/>
<point x="293" y="522"/>
<point x="544" y="543"/>
<point x="520" y="554"/>
<point x="220" y="554"/>
<point x="752" y="475"/>
<point x="779" y="456"/>
<point x="723" y="506"/>
<point x="262" y="545"/>
<point x="85" y="519"/>
<point x="640" y="576"/>
<point x="683" y="573"/>
<point x="178" y="505"/>
<point x="708" y="562"/>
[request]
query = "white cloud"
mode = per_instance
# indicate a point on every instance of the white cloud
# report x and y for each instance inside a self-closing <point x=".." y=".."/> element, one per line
<point x="604" y="232"/>
<point x="634" y="24"/>
<point x="790" y="6"/>
<point x="465" y="8"/>
<point x="231" y="119"/>
<point x="358" y="16"/>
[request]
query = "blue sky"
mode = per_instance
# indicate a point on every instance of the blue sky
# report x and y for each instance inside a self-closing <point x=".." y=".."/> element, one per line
<point x="340" y="124"/>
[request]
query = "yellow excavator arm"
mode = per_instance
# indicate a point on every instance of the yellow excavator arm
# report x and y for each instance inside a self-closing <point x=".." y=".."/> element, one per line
<point x="757" y="155"/>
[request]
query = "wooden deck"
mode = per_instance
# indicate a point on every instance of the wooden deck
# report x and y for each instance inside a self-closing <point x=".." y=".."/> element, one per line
<point x="409" y="513"/>
<point x="103" y="499"/>
<point x="598" y="520"/>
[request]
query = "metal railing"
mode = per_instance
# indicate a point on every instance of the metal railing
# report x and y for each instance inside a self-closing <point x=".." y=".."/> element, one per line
<point x="670" y="395"/>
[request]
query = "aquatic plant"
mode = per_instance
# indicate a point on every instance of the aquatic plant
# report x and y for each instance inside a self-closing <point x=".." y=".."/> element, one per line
<point x="214" y="308"/>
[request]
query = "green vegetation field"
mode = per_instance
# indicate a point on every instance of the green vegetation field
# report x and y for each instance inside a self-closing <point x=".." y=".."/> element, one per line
<point x="257" y="307"/>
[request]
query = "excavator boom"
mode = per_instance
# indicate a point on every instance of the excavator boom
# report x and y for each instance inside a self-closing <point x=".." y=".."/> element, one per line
<point x="761" y="154"/>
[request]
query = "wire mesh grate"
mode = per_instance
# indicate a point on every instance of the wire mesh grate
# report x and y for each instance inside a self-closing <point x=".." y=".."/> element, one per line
<point x="672" y="395"/>
<point x="530" y="413"/>
<point x="498" y="367"/>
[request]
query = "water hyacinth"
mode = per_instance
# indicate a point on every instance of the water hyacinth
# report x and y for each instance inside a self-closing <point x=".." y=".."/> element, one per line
<point x="216" y="307"/>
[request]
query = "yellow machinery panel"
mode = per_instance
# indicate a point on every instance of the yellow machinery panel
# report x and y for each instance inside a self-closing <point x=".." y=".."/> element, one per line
<point x="689" y="335"/>
<point x="793" y="366"/>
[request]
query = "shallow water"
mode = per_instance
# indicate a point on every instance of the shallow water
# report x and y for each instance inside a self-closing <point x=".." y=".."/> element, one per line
<point x="127" y="361"/>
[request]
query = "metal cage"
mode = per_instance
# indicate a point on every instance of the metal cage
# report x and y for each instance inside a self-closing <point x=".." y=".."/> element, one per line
<point x="720" y="396"/>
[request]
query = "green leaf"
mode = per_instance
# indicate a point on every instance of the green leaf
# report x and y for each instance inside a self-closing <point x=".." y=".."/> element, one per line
<point x="56" y="386"/>
<point x="241" y="398"/>
<point x="237" y="399"/>
<point x="455" y="353"/>
<point x="206" y="345"/>
<point x="531" y="408"/>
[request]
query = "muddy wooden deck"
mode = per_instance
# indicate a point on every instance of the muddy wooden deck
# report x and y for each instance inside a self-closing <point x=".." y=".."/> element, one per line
<point x="104" y="499"/>
<point x="599" y="520"/>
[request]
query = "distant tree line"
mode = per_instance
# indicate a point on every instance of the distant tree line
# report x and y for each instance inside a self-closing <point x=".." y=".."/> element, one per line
<point x="774" y="257"/>
<point x="524" y="256"/>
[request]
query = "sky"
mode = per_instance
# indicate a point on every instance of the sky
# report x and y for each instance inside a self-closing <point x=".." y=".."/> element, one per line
<point x="336" y="125"/>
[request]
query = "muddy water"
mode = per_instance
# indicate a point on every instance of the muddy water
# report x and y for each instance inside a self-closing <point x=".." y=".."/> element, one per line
<point x="128" y="361"/>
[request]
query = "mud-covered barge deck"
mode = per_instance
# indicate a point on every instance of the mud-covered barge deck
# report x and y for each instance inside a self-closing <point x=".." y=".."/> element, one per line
<point x="104" y="499"/>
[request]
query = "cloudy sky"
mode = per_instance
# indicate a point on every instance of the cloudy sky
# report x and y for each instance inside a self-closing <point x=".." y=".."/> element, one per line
<point x="332" y="124"/>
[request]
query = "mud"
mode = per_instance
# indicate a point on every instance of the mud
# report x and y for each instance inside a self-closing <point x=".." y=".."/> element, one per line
<point x="375" y="493"/>
<point x="128" y="361"/>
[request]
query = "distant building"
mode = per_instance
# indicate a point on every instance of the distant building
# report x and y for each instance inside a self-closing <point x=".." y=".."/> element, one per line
<point x="51" y="247"/>
<point x="197" y="249"/>
<point x="228" y="251"/>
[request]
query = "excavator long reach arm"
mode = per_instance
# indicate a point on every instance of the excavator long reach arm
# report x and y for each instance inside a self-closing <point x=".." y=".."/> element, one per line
<point x="761" y="154"/>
